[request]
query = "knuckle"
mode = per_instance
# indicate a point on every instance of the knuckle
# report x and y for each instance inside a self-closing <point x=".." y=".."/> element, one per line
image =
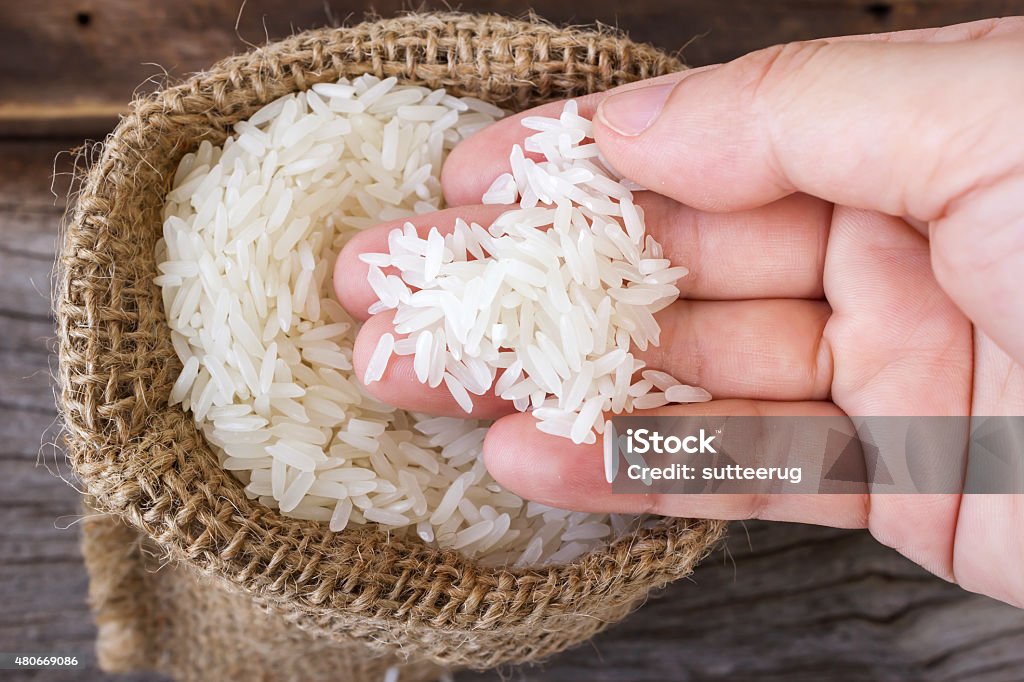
<point x="771" y="81"/>
<point x="756" y="506"/>
<point x="766" y="72"/>
<point x="986" y="27"/>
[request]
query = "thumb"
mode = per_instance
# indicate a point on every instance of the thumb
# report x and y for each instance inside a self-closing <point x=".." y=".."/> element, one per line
<point x="928" y="130"/>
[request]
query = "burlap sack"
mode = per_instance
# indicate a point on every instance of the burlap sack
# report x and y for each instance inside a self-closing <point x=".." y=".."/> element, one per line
<point x="278" y="592"/>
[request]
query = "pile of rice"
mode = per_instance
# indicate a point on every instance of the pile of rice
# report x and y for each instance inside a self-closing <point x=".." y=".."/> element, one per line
<point x="553" y="295"/>
<point x="251" y="233"/>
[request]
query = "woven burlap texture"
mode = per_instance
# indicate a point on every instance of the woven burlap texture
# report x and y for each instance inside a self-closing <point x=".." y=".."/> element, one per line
<point x="172" y="619"/>
<point x="145" y="462"/>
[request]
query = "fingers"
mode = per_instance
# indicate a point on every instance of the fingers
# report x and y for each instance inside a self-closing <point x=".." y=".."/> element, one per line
<point x="399" y="387"/>
<point x="900" y="127"/>
<point x="552" y="470"/>
<point x="764" y="350"/>
<point x="774" y="251"/>
<point x="925" y="130"/>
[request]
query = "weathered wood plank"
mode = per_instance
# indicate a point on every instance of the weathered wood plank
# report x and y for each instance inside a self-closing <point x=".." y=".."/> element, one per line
<point x="799" y="603"/>
<point x="29" y="233"/>
<point x="24" y="434"/>
<point x="43" y="583"/>
<point x="29" y="219"/>
<point x="26" y="291"/>
<point x="41" y="573"/>
<point x="71" y="66"/>
<point x="27" y="167"/>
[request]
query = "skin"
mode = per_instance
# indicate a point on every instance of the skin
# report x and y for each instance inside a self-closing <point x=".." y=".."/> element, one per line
<point x="852" y="211"/>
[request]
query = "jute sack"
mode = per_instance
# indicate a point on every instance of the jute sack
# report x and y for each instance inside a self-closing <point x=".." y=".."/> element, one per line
<point x="242" y="588"/>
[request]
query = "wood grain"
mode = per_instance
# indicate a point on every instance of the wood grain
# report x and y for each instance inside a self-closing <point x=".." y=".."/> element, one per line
<point x="69" y="66"/>
<point x="782" y="602"/>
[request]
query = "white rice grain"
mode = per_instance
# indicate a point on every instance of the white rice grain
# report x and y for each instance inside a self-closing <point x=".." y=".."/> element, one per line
<point x="378" y="361"/>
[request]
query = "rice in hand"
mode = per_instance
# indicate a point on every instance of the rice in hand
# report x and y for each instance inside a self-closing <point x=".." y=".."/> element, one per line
<point x="546" y="305"/>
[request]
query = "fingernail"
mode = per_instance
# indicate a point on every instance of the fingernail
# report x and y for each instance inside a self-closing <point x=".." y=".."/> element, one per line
<point x="632" y="112"/>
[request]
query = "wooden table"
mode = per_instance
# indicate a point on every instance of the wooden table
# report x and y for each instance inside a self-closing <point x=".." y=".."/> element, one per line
<point x="782" y="602"/>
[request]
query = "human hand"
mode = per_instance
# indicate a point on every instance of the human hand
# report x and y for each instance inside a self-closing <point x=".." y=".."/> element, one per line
<point x="852" y="213"/>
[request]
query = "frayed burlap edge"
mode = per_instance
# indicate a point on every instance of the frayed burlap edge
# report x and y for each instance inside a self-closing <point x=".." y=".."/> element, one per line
<point x="145" y="462"/>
